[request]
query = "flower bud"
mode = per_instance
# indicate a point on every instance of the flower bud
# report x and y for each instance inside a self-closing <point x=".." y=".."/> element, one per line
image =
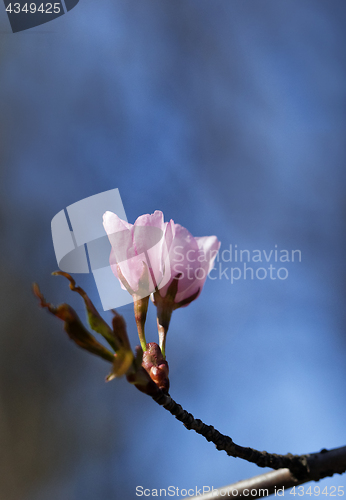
<point x="156" y="366"/>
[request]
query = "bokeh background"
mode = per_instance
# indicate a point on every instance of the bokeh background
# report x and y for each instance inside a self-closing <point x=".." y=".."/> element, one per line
<point x="229" y="116"/>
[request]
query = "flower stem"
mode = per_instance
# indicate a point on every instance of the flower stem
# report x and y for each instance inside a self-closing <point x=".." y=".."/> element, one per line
<point x="141" y="308"/>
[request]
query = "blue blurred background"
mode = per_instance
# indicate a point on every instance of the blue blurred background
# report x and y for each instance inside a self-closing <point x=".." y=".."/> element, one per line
<point x="229" y="116"/>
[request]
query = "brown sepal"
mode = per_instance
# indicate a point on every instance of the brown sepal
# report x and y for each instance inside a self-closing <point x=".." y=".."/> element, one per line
<point x="96" y="322"/>
<point x="74" y="327"/>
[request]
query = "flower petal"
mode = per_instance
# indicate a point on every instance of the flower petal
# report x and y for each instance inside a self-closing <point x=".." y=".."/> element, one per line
<point x="133" y="245"/>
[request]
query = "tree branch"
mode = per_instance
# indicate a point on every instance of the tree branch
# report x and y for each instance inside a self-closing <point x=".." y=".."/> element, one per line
<point x="265" y="484"/>
<point x="297" y="468"/>
<point x="326" y="463"/>
<point x="150" y="376"/>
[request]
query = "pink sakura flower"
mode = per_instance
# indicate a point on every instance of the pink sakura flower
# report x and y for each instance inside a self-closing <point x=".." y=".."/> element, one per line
<point x="136" y="259"/>
<point x="188" y="262"/>
<point x="161" y="259"/>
